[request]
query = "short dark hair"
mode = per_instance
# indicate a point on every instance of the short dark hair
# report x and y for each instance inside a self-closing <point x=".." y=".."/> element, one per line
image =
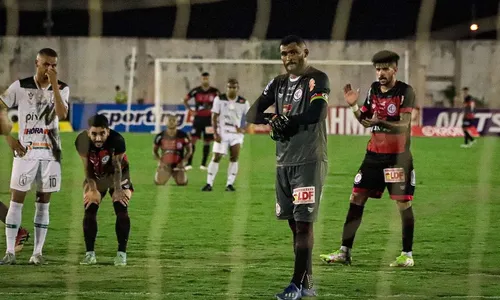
<point x="48" y="52"/>
<point x="99" y="121"/>
<point x="290" y="39"/>
<point x="204" y="74"/>
<point x="465" y="88"/>
<point x="232" y="81"/>
<point x="385" y="57"/>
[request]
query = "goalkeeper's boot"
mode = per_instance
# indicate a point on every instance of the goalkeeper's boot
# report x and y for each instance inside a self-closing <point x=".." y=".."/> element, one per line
<point x="291" y="292"/>
<point x="89" y="258"/>
<point x="309" y="292"/>
<point x="121" y="258"/>
<point x="8" y="259"/>
<point x="207" y="188"/>
<point x="37" y="259"/>
<point x="22" y="237"/>
<point x="404" y="260"/>
<point x="230" y="188"/>
<point x="340" y="256"/>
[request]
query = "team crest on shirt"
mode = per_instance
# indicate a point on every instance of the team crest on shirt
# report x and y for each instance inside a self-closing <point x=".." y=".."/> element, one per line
<point x="312" y="84"/>
<point x="105" y="159"/>
<point x="179" y="145"/>
<point x="391" y="109"/>
<point x="30" y="95"/>
<point x="297" y="95"/>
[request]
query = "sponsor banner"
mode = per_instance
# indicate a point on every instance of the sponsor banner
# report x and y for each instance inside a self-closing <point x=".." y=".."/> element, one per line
<point x="341" y="121"/>
<point x="433" y="131"/>
<point x="142" y="117"/>
<point x="487" y="121"/>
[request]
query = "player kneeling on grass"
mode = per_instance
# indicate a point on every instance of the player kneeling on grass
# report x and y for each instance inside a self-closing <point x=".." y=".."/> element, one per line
<point x="227" y="114"/>
<point x="176" y="149"/>
<point x="106" y="167"/>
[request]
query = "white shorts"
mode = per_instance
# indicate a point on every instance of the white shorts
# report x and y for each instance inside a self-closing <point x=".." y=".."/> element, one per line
<point x="45" y="173"/>
<point x="227" y="140"/>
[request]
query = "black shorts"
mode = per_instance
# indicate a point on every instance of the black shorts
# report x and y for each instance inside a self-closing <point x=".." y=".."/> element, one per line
<point x="379" y="171"/>
<point x="298" y="191"/>
<point x="202" y="126"/>
<point x="106" y="185"/>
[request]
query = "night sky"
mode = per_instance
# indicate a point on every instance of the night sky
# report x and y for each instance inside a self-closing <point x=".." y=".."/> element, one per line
<point x="234" y="19"/>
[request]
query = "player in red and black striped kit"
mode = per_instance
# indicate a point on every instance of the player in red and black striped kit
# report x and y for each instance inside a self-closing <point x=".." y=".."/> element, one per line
<point x="204" y="96"/>
<point x="176" y="149"/>
<point x="106" y="167"/>
<point x="388" y="161"/>
<point x="468" y="119"/>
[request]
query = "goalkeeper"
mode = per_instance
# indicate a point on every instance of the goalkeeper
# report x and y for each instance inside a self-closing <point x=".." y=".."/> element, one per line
<point x="298" y="125"/>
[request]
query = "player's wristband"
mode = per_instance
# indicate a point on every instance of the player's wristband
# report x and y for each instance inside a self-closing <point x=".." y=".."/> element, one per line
<point x="355" y="107"/>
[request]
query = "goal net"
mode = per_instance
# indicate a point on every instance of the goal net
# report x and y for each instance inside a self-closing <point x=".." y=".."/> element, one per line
<point x="174" y="77"/>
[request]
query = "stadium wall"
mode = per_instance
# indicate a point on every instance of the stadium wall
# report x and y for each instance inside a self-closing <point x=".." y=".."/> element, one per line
<point x="93" y="66"/>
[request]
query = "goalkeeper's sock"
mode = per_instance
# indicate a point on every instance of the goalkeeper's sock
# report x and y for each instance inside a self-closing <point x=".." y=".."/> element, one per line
<point x="12" y="223"/>
<point x="232" y="170"/>
<point x="41" y="226"/>
<point x="213" y="168"/>
<point x="408" y="222"/>
<point x="206" y="152"/>
<point x="351" y="225"/>
<point x="303" y="250"/>
<point x="90" y="226"/>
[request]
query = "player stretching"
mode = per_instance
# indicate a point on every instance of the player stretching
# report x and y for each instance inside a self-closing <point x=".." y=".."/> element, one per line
<point x="299" y="126"/>
<point x="227" y="115"/>
<point x="388" y="161"/>
<point x="468" y="118"/>
<point x="42" y="100"/>
<point x="204" y="96"/>
<point x="176" y="149"/>
<point x="106" y="167"/>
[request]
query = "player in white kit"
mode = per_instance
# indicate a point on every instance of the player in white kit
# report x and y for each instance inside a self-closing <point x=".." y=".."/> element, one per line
<point x="228" y="113"/>
<point x="42" y="100"/>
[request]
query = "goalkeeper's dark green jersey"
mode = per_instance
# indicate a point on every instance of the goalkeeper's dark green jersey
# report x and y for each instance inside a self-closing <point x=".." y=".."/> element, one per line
<point x="294" y="98"/>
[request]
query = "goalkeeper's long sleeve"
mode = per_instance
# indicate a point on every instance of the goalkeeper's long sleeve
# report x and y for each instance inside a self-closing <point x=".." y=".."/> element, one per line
<point x="256" y="113"/>
<point x="316" y="112"/>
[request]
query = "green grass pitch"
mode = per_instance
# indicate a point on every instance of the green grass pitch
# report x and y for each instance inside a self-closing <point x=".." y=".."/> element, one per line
<point x="185" y="244"/>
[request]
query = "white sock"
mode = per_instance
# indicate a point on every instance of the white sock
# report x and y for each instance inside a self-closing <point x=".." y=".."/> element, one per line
<point x="232" y="170"/>
<point x="213" y="168"/>
<point x="345" y="249"/>
<point x="409" y="254"/>
<point x="41" y="225"/>
<point x="12" y="223"/>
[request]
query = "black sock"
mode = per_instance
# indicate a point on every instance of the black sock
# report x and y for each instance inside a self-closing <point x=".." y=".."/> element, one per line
<point x="408" y="224"/>
<point x="90" y="226"/>
<point x="303" y="251"/>
<point x="467" y="136"/>
<point x="3" y="211"/>
<point x="206" y="152"/>
<point x="293" y="227"/>
<point x="190" y="160"/>
<point x="122" y="226"/>
<point x="351" y="225"/>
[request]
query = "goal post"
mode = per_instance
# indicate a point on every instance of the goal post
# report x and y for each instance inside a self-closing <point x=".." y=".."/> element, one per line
<point x="201" y="64"/>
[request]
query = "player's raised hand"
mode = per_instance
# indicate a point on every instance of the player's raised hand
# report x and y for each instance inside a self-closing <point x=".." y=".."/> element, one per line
<point x="120" y="196"/>
<point x="14" y="144"/>
<point x="52" y="75"/>
<point x="350" y="96"/>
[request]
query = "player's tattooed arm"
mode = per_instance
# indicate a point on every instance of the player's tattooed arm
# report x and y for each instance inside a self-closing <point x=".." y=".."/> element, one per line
<point x="156" y="153"/>
<point x="89" y="178"/>
<point x="117" y="167"/>
<point x="189" y="151"/>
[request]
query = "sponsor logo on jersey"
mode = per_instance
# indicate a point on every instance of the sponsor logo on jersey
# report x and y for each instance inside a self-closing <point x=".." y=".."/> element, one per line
<point x="304" y="195"/>
<point x="105" y="159"/>
<point x="35" y="131"/>
<point x="393" y="175"/>
<point x="312" y="84"/>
